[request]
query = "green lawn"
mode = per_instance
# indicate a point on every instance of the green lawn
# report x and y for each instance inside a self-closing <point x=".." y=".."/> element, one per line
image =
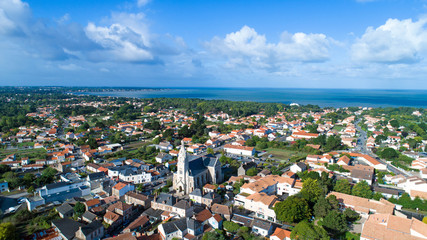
<point x="32" y="154"/>
<point x="338" y="127"/>
<point x="284" y="154"/>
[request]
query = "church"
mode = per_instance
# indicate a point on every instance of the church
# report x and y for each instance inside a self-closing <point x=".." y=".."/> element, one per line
<point x="193" y="172"/>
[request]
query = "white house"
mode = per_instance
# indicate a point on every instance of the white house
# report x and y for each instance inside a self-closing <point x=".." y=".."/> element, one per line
<point x="239" y="150"/>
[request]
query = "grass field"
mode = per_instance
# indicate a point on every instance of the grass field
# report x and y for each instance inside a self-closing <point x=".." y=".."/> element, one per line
<point x="32" y="154"/>
<point x="136" y="145"/>
<point x="284" y="154"/>
<point x="338" y="127"/>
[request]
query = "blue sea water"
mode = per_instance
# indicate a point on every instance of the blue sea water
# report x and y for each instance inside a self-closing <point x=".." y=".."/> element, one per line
<point x="321" y="97"/>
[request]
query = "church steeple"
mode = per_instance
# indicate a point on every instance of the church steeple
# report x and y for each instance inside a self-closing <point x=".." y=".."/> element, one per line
<point x="182" y="169"/>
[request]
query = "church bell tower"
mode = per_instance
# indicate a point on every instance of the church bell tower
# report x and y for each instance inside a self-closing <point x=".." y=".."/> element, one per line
<point x="181" y="176"/>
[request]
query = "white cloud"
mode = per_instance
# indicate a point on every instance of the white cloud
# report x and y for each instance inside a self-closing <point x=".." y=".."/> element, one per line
<point x="14" y="15"/>
<point x="142" y="3"/>
<point x="397" y="41"/>
<point x="70" y="67"/>
<point x="120" y="41"/>
<point x="247" y="47"/>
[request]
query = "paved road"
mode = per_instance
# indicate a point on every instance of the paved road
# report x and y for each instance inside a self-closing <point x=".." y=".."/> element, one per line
<point x="361" y="147"/>
<point x="10" y="201"/>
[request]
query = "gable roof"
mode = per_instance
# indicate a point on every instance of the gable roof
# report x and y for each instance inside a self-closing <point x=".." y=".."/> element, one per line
<point x="281" y="233"/>
<point x="67" y="227"/>
<point x="64" y="208"/>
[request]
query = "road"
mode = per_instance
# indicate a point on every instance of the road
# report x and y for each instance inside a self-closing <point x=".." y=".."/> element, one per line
<point x="361" y="147"/>
<point x="10" y="201"/>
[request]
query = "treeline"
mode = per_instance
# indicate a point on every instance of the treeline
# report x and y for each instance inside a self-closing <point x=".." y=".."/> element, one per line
<point x="233" y="108"/>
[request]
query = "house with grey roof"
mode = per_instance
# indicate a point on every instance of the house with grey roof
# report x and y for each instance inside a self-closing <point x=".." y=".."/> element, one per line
<point x="262" y="227"/>
<point x="89" y="217"/>
<point x="65" y="210"/>
<point x="184" y="228"/>
<point x="163" y="201"/>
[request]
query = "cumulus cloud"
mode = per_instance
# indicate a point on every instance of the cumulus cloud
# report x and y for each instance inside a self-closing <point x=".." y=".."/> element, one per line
<point x="397" y="41"/>
<point x="122" y="37"/>
<point x="121" y="41"/>
<point x="247" y="47"/>
<point x="142" y="3"/>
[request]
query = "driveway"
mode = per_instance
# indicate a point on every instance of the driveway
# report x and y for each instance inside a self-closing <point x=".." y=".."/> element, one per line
<point x="358" y="225"/>
<point x="10" y="201"/>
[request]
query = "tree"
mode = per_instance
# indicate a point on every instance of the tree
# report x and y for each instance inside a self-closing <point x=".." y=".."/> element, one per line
<point x="362" y="189"/>
<point x="350" y="215"/>
<point x="343" y="186"/>
<point x="394" y="123"/>
<point x="311" y="190"/>
<point x="388" y="153"/>
<point x="31" y="189"/>
<point x="210" y="151"/>
<point x="212" y="236"/>
<point x="322" y="207"/>
<point x="377" y="196"/>
<point x="380" y="138"/>
<point x="307" y="231"/>
<point x="28" y="179"/>
<point x="8" y="231"/>
<point x="231" y="226"/>
<point x="335" y="223"/>
<point x="333" y="143"/>
<point x="252" y="171"/>
<point x="79" y="209"/>
<point x="293" y="209"/>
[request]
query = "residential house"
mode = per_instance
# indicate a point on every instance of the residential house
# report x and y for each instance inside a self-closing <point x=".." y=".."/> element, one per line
<point x="223" y="210"/>
<point x="239" y="150"/>
<point x="138" y="199"/>
<point x="163" y="157"/>
<point x="121" y="189"/>
<point x="261" y="227"/>
<point x="92" y="231"/>
<point x="363" y="206"/>
<point x="387" y="226"/>
<point x="298" y="167"/>
<point x="281" y="234"/>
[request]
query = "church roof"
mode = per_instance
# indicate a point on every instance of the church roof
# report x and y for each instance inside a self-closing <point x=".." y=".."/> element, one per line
<point x="200" y="163"/>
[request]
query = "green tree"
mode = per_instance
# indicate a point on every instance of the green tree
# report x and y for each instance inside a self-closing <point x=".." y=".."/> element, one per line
<point x="252" y="171"/>
<point x="322" y="207"/>
<point x="343" y="186"/>
<point x="28" y="179"/>
<point x="79" y="209"/>
<point x="394" y="123"/>
<point x="210" y="151"/>
<point x="293" y="209"/>
<point x="335" y="223"/>
<point x="231" y="226"/>
<point x="311" y="190"/>
<point x="362" y="189"/>
<point x="350" y="215"/>
<point x="307" y="231"/>
<point x="31" y="189"/>
<point x="213" y="236"/>
<point x="8" y="231"/>
<point x="377" y="196"/>
<point x="388" y="153"/>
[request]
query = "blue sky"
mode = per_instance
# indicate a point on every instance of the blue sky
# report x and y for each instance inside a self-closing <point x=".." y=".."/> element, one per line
<point x="222" y="43"/>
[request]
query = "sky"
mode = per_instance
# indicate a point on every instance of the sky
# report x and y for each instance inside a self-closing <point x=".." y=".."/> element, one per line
<point x="364" y="44"/>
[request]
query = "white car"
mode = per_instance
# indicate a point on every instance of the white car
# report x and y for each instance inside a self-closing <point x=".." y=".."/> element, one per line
<point x="11" y="209"/>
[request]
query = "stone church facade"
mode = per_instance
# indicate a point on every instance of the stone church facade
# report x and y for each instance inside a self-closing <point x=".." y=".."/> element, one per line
<point x="193" y="172"/>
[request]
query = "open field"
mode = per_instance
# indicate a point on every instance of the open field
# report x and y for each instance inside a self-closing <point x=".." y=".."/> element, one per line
<point x="285" y="154"/>
<point x="32" y="154"/>
<point x="135" y="145"/>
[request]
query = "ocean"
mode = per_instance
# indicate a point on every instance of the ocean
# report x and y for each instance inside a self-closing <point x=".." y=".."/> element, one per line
<point x="321" y="97"/>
